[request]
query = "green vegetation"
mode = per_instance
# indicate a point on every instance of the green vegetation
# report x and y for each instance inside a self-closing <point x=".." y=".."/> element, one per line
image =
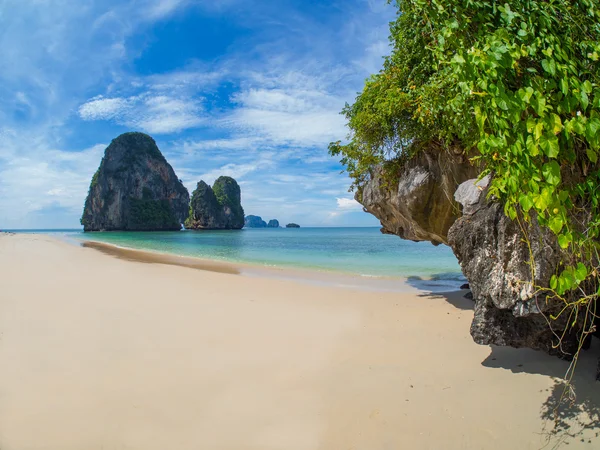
<point x="146" y="213"/>
<point x="515" y="85"/>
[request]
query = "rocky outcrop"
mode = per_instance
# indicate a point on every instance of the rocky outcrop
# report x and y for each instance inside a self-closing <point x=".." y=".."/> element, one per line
<point x="254" y="222"/>
<point x="134" y="189"/>
<point x="494" y="257"/>
<point x="420" y="205"/>
<point x="216" y="208"/>
<point x="273" y="223"/>
<point x="292" y="225"/>
<point x="437" y="198"/>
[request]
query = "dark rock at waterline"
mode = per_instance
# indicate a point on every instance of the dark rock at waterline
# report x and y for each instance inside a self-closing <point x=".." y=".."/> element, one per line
<point x="273" y="223"/>
<point x="216" y="208"/>
<point x="134" y="189"/>
<point x="465" y="286"/>
<point x="292" y="225"/>
<point x="468" y="295"/>
<point x="254" y="222"/>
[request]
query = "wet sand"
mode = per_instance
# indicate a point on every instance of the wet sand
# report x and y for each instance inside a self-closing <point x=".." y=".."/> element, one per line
<point x="106" y="352"/>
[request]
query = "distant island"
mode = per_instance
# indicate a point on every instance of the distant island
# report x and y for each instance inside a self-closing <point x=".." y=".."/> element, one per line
<point x="135" y="189"/>
<point x="292" y="225"/>
<point x="257" y="222"/>
<point x="216" y="208"/>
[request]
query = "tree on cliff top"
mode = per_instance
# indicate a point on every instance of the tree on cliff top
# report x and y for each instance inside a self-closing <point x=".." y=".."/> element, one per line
<point x="514" y="84"/>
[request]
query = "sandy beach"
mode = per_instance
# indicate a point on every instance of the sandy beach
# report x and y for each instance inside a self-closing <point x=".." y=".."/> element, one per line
<point x="100" y="352"/>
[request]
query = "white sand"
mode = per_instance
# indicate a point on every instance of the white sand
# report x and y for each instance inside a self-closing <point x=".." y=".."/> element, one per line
<point x="102" y="353"/>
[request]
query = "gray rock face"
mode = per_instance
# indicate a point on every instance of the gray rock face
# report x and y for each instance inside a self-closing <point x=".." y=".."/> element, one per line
<point x="254" y="222"/>
<point x="438" y="199"/>
<point x="420" y="206"/>
<point x="494" y="258"/>
<point x="216" y="208"/>
<point x="273" y="223"/>
<point x="135" y="189"/>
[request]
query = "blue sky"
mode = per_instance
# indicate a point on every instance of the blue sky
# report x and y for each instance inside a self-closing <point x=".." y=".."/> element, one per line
<point x="250" y="89"/>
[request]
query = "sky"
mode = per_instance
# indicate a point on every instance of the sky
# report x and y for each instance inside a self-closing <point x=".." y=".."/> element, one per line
<point x="249" y="89"/>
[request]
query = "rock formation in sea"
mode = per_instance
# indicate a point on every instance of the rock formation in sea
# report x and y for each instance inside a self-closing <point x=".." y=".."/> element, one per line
<point x="216" y="208"/>
<point x="273" y="223"/>
<point x="292" y="225"/>
<point x="437" y="198"/>
<point x="134" y="189"/>
<point x="254" y="222"/>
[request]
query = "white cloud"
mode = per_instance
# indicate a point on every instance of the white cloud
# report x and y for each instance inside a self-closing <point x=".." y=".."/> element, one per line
<point x="348" y="204"/>
<point x="35" y="176"/>
<point x="100" y="108"/>
<point x="159" y="114"/>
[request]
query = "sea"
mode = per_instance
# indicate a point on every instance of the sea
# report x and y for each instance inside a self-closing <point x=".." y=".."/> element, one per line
<point x="364" y="252"/>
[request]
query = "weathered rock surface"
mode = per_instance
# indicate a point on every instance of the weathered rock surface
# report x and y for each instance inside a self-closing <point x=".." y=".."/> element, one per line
<point x="273" y="223"/>
<point x="420" y="207"/>
<point x="216" y="208"/>
<point x="292" y="225"/>
<point x="134" y="189"/>
<point x="438" y="199"/>
<point x="255" y="222"/>
<point x="495" y="259"/>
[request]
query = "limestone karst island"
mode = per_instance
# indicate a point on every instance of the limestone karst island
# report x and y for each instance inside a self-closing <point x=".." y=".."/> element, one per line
<point x="287" y="225"/>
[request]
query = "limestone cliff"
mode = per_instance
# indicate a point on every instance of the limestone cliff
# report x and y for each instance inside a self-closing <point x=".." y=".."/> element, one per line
<point x="134" y="189"/>
<point x="420" y="206"/>
<point x="273" y="223"/>
<point x="216" y="208"/>
<point x="437" y="198"/>
<point x="494" y="257"/>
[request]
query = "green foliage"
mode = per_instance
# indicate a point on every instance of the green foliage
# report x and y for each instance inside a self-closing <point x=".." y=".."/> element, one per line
<point x="146" y="213"/>
<point x="515" y="84"/>
<point x="94" y="182"/>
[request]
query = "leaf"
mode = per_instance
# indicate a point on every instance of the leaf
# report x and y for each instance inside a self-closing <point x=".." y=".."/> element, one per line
<point x="557" y="125"/>
<point x="592" y="155"/>
<point x="458" y="59"/>
<point x="581" y="272"/>
<point x="549" y="145"/>
<point x="539" y="128"/>
<point x="556" y="224"/>
<point x="542" y="201"/>
<point x="586" y="87"/>
<point x="564" y="86"/>
<point x="549" y="66"/>
<point x="539" y="105"/>
<point x="526" y="202"/>
<point x="564" y="241"/>
<point x="585" y="101"/>
<point x="592" y="128"/>
<point x="553" y="282"/>
<point x="551" y="172"/>
<point x="568" y="278"/>
<point x="532" y="147"/>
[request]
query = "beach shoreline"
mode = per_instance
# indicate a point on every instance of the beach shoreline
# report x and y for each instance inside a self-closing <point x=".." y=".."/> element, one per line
<point x="103" y="352"/>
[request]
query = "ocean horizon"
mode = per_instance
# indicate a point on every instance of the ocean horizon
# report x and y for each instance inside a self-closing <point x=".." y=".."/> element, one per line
<point x="362" y="251"/>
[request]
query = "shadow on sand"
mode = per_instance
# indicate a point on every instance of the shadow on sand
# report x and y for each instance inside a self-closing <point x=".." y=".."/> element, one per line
<point x="570" y="413"/>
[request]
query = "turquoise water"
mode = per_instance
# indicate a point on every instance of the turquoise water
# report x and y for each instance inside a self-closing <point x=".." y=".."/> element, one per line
<point x="362" y="251"/>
